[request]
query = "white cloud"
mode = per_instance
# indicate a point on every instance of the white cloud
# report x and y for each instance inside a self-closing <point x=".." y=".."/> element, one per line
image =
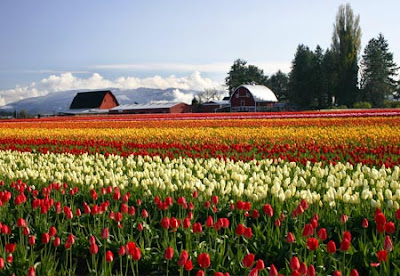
<point x="68" y="81"/>
<point x="182" y="97"/>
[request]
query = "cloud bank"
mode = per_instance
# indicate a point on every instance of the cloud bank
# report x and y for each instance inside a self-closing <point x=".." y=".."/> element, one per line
<point x="68" y="81"/>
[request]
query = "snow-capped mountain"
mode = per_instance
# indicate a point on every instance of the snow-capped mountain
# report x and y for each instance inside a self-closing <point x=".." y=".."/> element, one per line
<point x="55" y="102"/>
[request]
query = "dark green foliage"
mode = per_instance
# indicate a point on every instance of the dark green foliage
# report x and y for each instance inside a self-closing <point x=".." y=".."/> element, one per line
<point x="346" y="44"/>
<point x="379" y="71"/>
<point x="241" y="73"/>
<point x="278" y="83"/>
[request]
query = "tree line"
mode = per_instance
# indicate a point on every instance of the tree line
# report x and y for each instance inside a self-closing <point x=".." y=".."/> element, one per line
<point x="337" y="76"/>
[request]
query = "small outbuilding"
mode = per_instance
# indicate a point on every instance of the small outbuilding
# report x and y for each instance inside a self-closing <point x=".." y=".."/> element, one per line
<point x="252" y="98"/>
<point x="151" y="108"/>
<point x="94" y="100"/>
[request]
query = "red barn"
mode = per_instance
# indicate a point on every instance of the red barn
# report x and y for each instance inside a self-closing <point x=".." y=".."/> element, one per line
<point x="252" y="98"/>
<point x="95" y="99"/>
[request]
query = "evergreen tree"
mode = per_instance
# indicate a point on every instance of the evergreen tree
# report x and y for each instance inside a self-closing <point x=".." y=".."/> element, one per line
<point x="300" y="87"/>
<point x="378" y="72"/>
<point x="346" y="43"/>
<point x="241" y="73"/>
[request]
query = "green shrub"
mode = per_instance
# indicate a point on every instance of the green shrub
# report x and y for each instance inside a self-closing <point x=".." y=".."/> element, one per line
<point x="362" y="105"/>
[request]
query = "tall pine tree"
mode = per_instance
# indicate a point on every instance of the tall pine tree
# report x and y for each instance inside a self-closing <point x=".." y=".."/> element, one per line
<point x="378" y="72"/>
<point x="346" y="44"/>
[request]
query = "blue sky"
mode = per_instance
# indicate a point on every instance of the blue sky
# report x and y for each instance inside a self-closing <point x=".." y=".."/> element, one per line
<point x="49" y="45"/>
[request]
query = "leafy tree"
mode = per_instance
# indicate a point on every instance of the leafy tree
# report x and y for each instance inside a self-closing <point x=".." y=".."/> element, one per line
<point x="346" y="44"/>
<point x="378" y="72"/>
<point x="330" y="77"/>
<point x="279" y="83"/>
<point x="241" y="73"/>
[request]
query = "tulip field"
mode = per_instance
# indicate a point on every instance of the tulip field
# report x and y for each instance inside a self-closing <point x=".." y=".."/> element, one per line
<point x="307" y="193"/>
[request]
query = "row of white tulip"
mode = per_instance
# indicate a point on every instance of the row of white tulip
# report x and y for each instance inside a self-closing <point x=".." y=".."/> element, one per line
<point x="254" y="180"/>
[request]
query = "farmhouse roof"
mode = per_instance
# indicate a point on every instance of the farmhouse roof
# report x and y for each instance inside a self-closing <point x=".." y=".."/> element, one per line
<point x="92" y="99"/>
<point x="260" y="93"/>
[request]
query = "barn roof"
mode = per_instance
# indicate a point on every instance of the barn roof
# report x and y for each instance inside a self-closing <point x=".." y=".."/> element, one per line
<point x="156" y="105"/>
<point x="260" y="93"/>
<point x="92" y="99"/>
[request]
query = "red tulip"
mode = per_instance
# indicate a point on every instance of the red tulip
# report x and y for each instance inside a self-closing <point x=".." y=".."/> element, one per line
<point x="331" y="247"/>
<point x="382" y="256"/>
<point x="248" y="260"/>
<point x="57" y="242"/>
<point x="303" y="268"/>
<point x="248" y="232"/>
<point x="308" y="230"/>
<point x="10" y="258"/>
<point x="31" y="240"/>
<point x="94" y="249"/>
<point x="122" y="250"/>
<point x="253" y="272"/>
<point x="209" y="222"/>
<point x="290" y="238"/>
<point x="218" y="274"/>
<point x="105" y="233"/>
<point x="312" y="244"/>
<point x="388" y="244"/>
<point x="268" y="210"/>
<point x="200" y="273"/>
<point x="186" y="223"/>
<point x="347" y="235"/>
<point x="197" y="228"/>
<point x="255" y="214"/>
<point x="31" y="271"/>
<point x="204" y="260"/>
<point x="183" y="258"/>
<point x="278" y="223"/>
<point x="140" y="227"/>
<point x="304" y="204"/>
<point x="294" y="263"/>
<point x="314" y="223"/>
<point x="322" y="234"/>
<point x="136" y="254"/>
<point x="169" y="253"/>
<point x="1" y="263"/>
<point x="165" y="222"/>
<point x="52" y="231"/>
<point x="109" y="256"/>
<point x="45" y="238"/>
<point x="354" y="272"/>
<point x="21" y="222"/>
<point x="311" y="270"/>
<point x="337" y="273"/>
<point x="145" y="214"/>
<point x="240" y="229"/>
<point x="390" y="228"/>
<point x="188" y="265"/>
<point x="364" y="223"/>
<point x="214" y="199"/>
<point x="10" y="247"/>
<point x="344" y="218"/>
<point x="174" y="223"/>
<point x="397" y="215"/>
<point x="195" y="194"/>
<point x="273" y="271"/>
<point x="260" y="264"/>
<point x="345" y="245"/>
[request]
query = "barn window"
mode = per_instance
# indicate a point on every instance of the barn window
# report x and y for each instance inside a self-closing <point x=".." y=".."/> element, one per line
<point x="248" y="95"/>
<point x="237" y="95"/>
<point x="242" y="103"/>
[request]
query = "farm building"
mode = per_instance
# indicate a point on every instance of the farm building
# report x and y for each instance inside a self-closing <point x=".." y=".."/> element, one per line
<point x="150" y="108"/>
<point x="94" y="99"/>
<point x="252" y="98"/>
<point x="215" y="106"/>
<point x="93" y="102"/>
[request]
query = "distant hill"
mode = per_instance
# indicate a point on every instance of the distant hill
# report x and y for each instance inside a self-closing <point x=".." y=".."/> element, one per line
<point x="60" y="101"/>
